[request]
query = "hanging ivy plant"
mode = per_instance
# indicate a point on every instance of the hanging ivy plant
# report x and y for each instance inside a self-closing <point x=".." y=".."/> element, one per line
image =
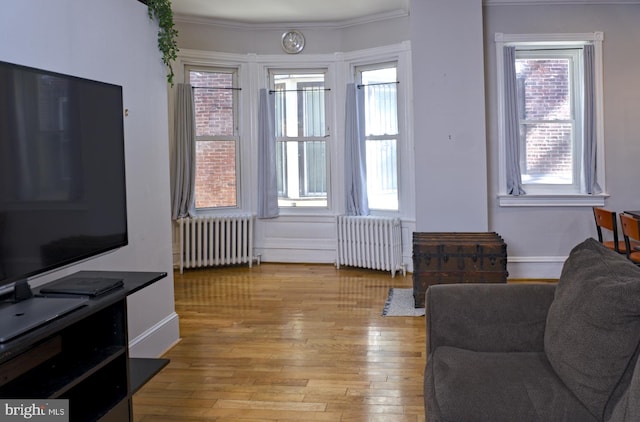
<point x="160" y="10"/>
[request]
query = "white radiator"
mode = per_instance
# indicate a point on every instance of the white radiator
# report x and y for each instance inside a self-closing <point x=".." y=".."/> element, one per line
<point x="219" y="240"/>
<point x="370" y="242"/>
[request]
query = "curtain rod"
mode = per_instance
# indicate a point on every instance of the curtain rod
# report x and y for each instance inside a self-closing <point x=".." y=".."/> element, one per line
<point x="379" y="83"/>
<point x="215" y="87"/>
<point x="272" y="91"/>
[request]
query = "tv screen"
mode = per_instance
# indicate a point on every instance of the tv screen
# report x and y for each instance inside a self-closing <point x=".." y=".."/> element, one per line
<point x="62" y="170"/>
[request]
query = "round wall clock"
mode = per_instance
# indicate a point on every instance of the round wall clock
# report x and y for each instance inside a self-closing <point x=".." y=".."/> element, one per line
<point x="292" y="41"/>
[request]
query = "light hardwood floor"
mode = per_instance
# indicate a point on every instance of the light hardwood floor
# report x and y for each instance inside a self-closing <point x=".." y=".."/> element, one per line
<point x="288" y="342"/>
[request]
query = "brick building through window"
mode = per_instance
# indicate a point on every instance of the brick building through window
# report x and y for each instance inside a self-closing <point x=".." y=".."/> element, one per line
<point x="547" y="123"/>
<point x="215" y="101"/>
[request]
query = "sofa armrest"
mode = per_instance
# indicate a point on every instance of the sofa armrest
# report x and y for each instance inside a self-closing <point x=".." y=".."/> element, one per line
<point x="488" y="317"/>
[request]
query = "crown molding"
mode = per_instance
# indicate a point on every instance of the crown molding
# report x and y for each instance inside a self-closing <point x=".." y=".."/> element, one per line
<point x="574" y="38"/>
<point x="189" y="19"/>
<point x="396" y="14"/>
<point x="555" y="2"/>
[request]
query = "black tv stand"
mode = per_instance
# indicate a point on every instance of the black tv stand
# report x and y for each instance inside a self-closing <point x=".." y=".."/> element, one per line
<point x="82" y="356"/>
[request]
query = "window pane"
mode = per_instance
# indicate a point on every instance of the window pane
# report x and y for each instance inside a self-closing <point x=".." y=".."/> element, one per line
<point x="547" y="153"/>
<point x="382" y="171"/>
<point x="302" y="173"/>
<point x="215" y="174"/>
<point x="281" y="169"/>
<point x="312" y="113"/>
<point x="300" y="105"/>
<point x="314" y="158"/>
<point x="381" y="120"/>
<point x="213" y="103"/>
<point x="544" y="93"/>
<point x="301" y="163"/>
<point x="280" y="98"/>
<point x="381" y="101"/>
<point x="216" y="140"/>
<point x="544" y="89"/>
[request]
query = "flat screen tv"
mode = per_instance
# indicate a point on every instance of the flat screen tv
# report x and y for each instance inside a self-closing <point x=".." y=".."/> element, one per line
<point x="62" y="171"/>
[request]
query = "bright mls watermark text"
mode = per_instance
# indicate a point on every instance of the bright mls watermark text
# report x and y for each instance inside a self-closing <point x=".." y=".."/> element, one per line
<point x="34" y="410"/>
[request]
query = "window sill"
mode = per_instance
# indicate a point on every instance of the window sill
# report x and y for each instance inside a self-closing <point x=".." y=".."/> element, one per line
<point x="552" y="200"/>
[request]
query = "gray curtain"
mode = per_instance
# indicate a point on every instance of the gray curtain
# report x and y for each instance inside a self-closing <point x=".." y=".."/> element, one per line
<point x="512" y="128"/>
<point x="267" y="178"/>
<point x="183" y="158"/>
<point x="589" y="162"/>
<point x="354" y="153"/>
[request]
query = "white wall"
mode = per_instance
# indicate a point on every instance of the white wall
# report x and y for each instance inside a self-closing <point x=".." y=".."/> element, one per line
<point x="449" y="116"/>
<point x="540" y="238"/>
<point x="114" y="41"/>
<point x="322" y="38"/>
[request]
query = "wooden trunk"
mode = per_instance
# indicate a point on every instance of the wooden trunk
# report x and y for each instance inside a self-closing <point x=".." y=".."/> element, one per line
<point x="450" y="257"/>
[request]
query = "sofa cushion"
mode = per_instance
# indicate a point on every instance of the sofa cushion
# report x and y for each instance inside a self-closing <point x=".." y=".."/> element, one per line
<point x="468" y="386"/>
<point x="593" y="324"/>
<point x="627" y="407"/>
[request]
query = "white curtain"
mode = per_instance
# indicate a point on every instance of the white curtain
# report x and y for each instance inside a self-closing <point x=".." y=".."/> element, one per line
<point x="354" y="153"/>
<point x="591" y="184"/>
<point x="512" y="127"/>
<point x="183" y="172"/>
<point x="267" y="178"/>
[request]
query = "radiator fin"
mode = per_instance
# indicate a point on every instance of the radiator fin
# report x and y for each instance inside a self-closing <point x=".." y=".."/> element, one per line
<point x="370" y="242"/>
<point x="213" y="241"/>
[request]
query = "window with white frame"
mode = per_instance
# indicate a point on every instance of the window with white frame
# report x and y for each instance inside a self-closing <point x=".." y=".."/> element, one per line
<point x="379" y="83"/>
<point x="217" y="142"/>
<point x="301" y="138"/>
<point x="549" y="117"/>
<point x="552" y="156"/>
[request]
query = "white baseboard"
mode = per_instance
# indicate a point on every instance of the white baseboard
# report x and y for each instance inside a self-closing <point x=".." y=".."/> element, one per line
<point x="535" y="266"/>
<point x="156" y="340"/>
<point x="319" y="256"/>
<point x="518" y="266"/>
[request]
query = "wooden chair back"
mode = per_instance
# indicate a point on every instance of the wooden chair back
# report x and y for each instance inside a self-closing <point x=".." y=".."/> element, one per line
<point x="630" y="231"/>
<point x="606" y="219"/>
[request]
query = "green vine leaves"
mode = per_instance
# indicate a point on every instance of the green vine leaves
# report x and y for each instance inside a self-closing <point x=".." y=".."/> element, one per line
<point x="160" y="10"/>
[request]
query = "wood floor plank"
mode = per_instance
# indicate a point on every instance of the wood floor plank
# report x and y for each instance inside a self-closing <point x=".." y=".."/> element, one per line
<point x="288" y="342"/>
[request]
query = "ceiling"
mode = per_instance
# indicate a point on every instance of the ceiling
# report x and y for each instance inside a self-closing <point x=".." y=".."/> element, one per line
<point x="288" y="11"/>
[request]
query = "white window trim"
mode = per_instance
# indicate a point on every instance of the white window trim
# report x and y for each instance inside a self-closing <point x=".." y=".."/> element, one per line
<point x="575" y="58"/>
<point x="203" y="59"/>
<point x="358" y="70"/>
<point x="235" y="137"/>
<point x="401" y="56"/>
<point x="265" y="66"/>
<point x="326" y="138"/>
<point x="577" y="39"/>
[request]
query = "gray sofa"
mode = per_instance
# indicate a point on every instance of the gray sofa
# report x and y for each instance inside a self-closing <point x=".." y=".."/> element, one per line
<point x="542" y="352"/>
